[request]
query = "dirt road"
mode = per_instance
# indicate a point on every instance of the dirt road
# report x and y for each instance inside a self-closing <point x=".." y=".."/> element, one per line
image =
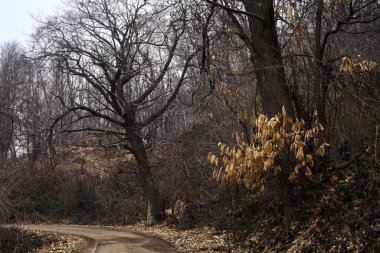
<point x="109" y="240"/>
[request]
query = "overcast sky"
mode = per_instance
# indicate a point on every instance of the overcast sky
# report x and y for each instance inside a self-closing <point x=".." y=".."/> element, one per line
<point x="15" y="17"/>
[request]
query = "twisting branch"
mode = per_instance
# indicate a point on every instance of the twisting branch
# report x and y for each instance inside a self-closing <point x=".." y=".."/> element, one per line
<point x="164" y="70"/>
<point x="229" y="9"/>
<point x="155" y="115"/>
<point x="90" y="129"/>
<point x="349" y="20"/>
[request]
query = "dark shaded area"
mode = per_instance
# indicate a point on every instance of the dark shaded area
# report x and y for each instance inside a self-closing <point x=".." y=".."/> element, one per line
<point x="17" y="240"/>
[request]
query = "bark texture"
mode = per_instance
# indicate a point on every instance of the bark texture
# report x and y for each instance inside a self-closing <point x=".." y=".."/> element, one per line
<point x="267" y="59"/>
<point x="155" y="207"/>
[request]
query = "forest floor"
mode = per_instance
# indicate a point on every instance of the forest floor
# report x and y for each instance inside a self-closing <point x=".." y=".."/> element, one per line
<point x="13" y="239"/>
<point x="201" y="239"/>
<point x="60" y="243"/>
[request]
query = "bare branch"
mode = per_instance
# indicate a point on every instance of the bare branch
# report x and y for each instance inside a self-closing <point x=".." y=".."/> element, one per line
<point x="229" y="9"/>
<point x="155" y="115"/>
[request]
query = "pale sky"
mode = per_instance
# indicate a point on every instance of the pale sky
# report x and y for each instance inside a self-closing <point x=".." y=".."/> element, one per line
<point x="16" y="22"/>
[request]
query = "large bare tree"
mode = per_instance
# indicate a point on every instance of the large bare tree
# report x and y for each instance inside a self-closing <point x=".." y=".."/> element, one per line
<point x="127" y="55"/>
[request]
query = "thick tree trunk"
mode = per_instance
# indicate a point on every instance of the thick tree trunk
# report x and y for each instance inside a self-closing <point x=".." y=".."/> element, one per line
<point x="155" y="207"/>
<point x="267" y="59"/>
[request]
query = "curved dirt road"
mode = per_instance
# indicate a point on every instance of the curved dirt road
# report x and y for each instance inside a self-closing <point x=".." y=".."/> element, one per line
<point x="109" y="240"/>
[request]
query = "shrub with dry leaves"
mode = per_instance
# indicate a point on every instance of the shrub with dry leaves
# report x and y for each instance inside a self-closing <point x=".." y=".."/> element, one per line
<point x="275" y="143"/>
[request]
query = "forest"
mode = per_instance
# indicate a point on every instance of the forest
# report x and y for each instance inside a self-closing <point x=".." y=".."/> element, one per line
<point x="216" y="125"/>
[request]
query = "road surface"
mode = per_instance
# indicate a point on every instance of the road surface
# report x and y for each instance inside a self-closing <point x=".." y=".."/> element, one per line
<point x="109" y="240"/>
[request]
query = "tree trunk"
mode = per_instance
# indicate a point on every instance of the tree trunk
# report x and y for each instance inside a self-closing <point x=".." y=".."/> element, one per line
<point x="155" y="208"/>
<point x="320" y="85"/>
<point x="266" y="57"/>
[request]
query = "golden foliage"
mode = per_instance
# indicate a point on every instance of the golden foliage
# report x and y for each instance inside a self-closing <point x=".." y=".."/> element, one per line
<point x="348" y="64"/>
<point x="274" y="139"/>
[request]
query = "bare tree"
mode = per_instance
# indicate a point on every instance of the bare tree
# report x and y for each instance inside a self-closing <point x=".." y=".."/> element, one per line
<point x="126" y="54"/>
